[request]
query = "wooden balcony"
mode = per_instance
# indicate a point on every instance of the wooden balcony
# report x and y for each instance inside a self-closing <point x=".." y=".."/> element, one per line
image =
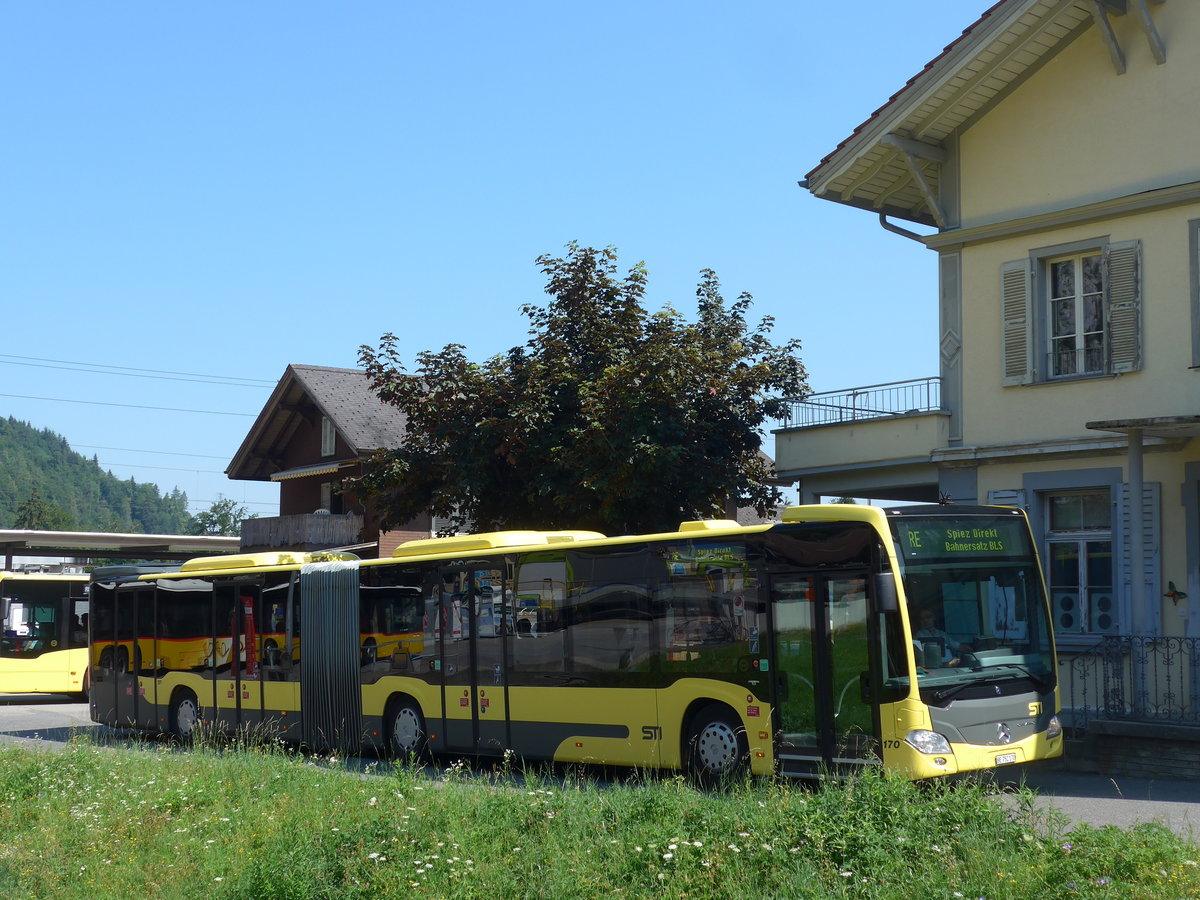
<point x="311" y="531"/>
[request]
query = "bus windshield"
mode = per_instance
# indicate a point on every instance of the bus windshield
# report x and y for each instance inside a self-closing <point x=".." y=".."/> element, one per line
<point x="977" y="609"/>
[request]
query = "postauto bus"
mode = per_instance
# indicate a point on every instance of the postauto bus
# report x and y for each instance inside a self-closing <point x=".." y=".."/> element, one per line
<point x="916" y="638"/>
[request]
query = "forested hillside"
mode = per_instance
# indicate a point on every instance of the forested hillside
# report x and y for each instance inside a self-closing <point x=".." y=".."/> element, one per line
<point x="41" y="467"/>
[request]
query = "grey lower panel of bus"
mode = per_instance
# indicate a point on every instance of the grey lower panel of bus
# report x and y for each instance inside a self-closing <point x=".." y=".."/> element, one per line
<point x="793" y="765"/>
<point x="993" y="721"/>
<point x="329" y="689"/>
<point x="534" y="740"/>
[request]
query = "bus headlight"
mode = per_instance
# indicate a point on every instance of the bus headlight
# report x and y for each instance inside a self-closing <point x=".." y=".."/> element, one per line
<point x="929" y="742"/>
<point x="1054" y="729"/>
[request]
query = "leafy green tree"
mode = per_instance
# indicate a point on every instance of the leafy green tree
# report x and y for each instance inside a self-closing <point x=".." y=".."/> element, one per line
<point x="609" y="417"/>
<point x="224" y="516"/>
<point x="37" y="514"/>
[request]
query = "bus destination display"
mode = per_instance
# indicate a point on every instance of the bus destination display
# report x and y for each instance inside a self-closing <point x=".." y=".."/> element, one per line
<point x="975" y="536"/>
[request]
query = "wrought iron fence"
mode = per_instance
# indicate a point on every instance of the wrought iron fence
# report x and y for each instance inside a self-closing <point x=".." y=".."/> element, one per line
<point x="874" y="401"/>
<point x="1133" y="679"/>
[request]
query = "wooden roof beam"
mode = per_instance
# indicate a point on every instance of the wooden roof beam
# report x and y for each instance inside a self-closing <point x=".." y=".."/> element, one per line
<point x="1157" y="47"/>
<point x="306" y="411"/>
<point x="1100" y="16"/>
<point x="913" y="152"/>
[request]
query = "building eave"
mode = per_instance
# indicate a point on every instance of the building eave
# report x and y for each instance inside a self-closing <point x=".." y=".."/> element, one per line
<point x="881" y="167"/>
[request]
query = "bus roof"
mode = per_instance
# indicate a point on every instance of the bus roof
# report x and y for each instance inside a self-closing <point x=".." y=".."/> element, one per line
<point x="456" y="546"/>
<point x="493" y="540"/>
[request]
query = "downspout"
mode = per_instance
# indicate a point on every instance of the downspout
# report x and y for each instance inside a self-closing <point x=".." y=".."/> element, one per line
<point x="1137" y="535"/>
<point x="888" y="226"/>
<point x="896" y="229"/>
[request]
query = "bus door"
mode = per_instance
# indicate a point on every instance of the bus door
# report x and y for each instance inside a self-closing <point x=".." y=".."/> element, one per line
<point x="239" y="685"/>
<point x="472" y="622"/>
<point x="278" y="664"/>
<point x="822" y="660"/>
<point x="133" y="655"/>
<point x="102" y="611"/>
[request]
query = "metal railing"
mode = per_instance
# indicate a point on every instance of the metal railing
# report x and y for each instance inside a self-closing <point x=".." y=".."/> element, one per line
<point x="874" y="401"/>
<point x="1133" y="679"/>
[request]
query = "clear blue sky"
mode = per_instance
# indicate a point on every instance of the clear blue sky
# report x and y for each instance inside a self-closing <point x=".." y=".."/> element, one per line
<point x="225" y="188"/>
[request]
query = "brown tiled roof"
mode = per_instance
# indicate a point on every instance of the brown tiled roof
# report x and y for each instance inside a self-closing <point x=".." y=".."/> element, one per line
<point x="363" y="421"/>
<point x="343" y="395"/>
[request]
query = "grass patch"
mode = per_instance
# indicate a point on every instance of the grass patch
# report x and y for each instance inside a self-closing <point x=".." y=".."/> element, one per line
<point x="260" y="824"/>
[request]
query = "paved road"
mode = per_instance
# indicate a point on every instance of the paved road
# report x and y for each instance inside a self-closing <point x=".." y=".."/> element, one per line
<point x="42" y="717"/>
<point x="1119" y="800"/>
<point x="1095" y="799"/>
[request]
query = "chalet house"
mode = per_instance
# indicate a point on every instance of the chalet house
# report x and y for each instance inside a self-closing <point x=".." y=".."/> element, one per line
<point x="1048" y="158"/>
<point x="315" y="430"/>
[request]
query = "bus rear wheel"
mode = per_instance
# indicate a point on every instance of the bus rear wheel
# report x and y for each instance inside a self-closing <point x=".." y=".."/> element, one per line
<point x="185" y="715"/>
<point x="716" y="746"/>
<point x="406" y="735"/>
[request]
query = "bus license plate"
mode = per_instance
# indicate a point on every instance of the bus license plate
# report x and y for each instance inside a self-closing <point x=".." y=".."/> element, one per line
<point x="1005" y="758"/>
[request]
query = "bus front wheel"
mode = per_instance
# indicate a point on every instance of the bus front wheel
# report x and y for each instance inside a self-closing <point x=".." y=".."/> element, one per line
<point x="407" y="738"/>
<point x="185" y="715"/>
<point x="716" y="746"/>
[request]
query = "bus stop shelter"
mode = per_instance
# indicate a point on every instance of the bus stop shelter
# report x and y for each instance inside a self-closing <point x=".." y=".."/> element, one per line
<point x="91" y="545"/>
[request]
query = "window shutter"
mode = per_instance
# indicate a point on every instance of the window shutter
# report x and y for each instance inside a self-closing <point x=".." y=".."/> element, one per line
<point x="1123" y="265"/>
<point x="1006" y="498"/>
<point x="1151" y="494"/>
<point x="1016" y="322"/>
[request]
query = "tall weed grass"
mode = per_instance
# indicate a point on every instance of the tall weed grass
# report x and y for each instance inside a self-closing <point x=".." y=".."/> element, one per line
<point x="253" y="823"/>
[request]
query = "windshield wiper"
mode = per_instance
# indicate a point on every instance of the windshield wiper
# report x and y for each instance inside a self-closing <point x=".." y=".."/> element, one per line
<point x="950" y="691"/>
<point x="1042" y="682"/>
<point x="947" y="693"/>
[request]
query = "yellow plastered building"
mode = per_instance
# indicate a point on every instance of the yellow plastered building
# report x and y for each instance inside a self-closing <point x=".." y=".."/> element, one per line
<point x="1048" y="158"/>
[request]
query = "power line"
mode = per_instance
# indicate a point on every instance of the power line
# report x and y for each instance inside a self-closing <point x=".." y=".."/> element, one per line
<point x="105" y="465"/>
<point x="141" y="450"/>
<point x="131" y="372"/>
<point x="207" y="412"/>
<point x="207" y="503"/>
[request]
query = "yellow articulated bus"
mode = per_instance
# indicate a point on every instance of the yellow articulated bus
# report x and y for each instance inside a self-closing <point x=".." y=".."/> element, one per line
<point x="917" y="638"/>
<point x="43" y="649"/>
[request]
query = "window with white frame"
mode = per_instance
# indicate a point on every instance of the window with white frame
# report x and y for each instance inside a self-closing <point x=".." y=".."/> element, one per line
<point x="1071" y="311"/>
<point x="1076" y="315"/>
<point x="328" y="437"/>
<point x="1079" y="562"/>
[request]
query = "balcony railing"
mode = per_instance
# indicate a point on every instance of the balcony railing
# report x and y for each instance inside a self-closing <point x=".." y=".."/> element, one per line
<point x="1133" y="679"/>
<point x="310" y="531"/>
<point x="875" y="401"/>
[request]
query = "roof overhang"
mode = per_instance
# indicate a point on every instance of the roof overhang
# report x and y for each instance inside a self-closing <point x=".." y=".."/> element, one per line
<point x="893" y="163"/>
<point x="92" y="545"/>
<point x="1160" y="426"/>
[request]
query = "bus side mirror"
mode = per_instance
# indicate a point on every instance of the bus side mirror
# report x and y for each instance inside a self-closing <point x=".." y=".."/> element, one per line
<point x="885" y="592"/>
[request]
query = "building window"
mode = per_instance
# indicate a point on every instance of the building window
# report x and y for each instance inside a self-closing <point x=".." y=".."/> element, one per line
<point x="1071" y="311"/>
<point x="1079" y="558"/>
<point x="1076" y="316"/>
<point x="331" y="498"/>
<point x="328" y="437"/>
